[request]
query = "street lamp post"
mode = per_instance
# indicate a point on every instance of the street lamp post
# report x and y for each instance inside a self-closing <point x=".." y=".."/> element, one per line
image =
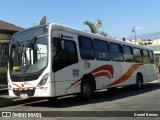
<point x="134" y="31"/>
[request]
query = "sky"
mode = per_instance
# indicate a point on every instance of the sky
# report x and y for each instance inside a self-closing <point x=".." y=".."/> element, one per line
<point x="118" y="16"/>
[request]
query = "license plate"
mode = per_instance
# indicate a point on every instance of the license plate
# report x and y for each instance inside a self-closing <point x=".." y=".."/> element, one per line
<point x="24" y="96"/>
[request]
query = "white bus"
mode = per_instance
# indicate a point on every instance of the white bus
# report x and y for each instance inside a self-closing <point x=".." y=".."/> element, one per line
<point x="54" y="60"/>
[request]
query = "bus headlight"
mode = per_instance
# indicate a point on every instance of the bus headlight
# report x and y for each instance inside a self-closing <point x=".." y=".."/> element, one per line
<point x="44" y="79"/>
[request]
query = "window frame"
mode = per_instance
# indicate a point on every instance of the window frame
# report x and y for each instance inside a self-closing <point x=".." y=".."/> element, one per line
<point x="146" y="56"/>
<point x="54" y="69"/>
<point x="101" y="50"/>
<point x="81" y="48"/>
<point x="152" y="59"/>
<point x="126" y="53"/>
<point x="141" y="56"/>
<point x="116" y="52"/>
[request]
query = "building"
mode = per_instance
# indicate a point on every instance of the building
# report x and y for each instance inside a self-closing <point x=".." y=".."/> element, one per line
<point x="6" y="32"/>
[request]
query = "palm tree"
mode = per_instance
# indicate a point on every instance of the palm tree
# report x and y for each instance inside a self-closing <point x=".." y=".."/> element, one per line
<point x="103" y="33"/>
<point x="94" y="27"/>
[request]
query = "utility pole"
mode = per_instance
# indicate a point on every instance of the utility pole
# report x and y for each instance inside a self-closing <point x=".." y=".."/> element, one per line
<point x="134" y="31"/>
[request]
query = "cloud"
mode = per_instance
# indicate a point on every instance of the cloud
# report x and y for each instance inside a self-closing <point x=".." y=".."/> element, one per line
<point x="138" y="28"/>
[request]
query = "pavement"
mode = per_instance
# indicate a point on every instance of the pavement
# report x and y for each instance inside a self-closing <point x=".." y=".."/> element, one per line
<point x="6" y="100"/>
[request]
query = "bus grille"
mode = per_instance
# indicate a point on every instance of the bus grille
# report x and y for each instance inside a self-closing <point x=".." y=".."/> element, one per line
<point x="25" y="78"/>
<point x="28" y="92"/>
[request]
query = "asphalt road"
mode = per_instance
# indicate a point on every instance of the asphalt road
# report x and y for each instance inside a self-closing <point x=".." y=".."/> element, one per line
<point x="121" y="100"/>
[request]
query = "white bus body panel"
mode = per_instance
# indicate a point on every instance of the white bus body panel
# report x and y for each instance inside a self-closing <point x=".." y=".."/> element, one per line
<point x="65" y="77"/>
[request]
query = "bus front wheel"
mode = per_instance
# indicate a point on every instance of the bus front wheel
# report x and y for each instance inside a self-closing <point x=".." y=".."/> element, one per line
<point x="86" y="90"/>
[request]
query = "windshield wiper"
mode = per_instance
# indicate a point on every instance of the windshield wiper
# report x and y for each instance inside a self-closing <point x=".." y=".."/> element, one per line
<point x="30" y="45"/>
<point x="26" y="68"/>
<point x="33" y="41"/>
<point x="17" y="47"/>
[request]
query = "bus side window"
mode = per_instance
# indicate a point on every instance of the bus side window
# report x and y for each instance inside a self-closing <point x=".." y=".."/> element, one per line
<point x="128" y="54"/>
<point x="101" y="50"/>
<point x="137" y="55"/>
<point x="86" y="48"/>
<point x="151" y="57"/>
<point x="116" y="52"/>
<point x="64" y="57"/>
<point x="146" y="59"/>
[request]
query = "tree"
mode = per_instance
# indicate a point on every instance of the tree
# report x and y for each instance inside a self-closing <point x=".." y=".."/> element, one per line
<point x="94" y="27"/>
<point x="103" y="33"/>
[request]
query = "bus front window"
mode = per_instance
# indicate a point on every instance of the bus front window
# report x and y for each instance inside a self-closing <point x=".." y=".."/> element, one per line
<point x="29" y="57"/>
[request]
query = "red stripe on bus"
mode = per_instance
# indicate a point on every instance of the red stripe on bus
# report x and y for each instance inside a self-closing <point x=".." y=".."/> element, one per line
<point x="16" y="85"/>
<point x="72" y="84"/>
<point x="104" y="67"/>
<point x="100" y="74"/>
<point x="109" y="68"/>
<point x="27" y="83"/>
<point x="127" y="75"/>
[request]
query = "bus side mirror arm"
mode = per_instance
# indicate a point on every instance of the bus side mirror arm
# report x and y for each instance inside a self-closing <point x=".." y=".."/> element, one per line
<point x="62" y="45"/>
<point x="61" y="42"/>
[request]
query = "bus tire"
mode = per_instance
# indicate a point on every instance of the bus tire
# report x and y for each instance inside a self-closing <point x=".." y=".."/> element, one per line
<point x="86" y="89"/>
<point x="139" y="81"/>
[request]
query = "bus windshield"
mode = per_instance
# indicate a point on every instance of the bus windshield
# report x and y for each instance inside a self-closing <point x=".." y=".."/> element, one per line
<point x="28" y="53"/>
<point x="28" y="57"/>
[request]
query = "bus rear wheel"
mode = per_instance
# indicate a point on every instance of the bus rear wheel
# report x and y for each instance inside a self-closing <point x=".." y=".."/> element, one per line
<point x="139" y="80"/>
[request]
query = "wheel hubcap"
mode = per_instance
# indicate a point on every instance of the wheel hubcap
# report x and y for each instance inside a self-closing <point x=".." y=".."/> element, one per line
<point x="87" y="89"/>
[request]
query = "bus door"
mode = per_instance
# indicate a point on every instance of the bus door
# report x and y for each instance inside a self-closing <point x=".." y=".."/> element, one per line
<point x="65" y="64"/>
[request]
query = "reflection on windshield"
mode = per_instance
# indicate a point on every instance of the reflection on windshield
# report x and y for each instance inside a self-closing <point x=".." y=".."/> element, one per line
<point x="29" y="57"/>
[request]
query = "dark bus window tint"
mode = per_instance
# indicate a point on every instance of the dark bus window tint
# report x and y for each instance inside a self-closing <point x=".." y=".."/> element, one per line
<point x="15" y="57"/>
<point x="101" y="50"/>
<point x="86" y="48"/>
<point x="151" y="57"/>
<point x="114" y="47"/>
<point x="64" y="57"/>
<point x="85" y="42"/>
<point x="116" y="52"/>
<point x="100" y="45"/>
<point x="127" y="50"/>
<point x="128" y="54"/>
<point x="146" y="59"/>
<point x="4" y="53"/>
<point x="137" y="55"/>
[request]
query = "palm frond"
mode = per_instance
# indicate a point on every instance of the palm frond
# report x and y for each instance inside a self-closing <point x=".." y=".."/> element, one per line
<point x="98" y="24"/>
<point x="91" y="26"/>
<point x="94" y="27"/>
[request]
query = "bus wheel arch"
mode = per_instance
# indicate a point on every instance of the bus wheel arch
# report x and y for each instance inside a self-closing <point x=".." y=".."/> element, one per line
<point x="88" y="86"/>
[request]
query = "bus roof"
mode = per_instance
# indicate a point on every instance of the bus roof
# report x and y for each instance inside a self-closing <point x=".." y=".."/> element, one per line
<point x="96" y="36"/>
<point x="82" y="33"/>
